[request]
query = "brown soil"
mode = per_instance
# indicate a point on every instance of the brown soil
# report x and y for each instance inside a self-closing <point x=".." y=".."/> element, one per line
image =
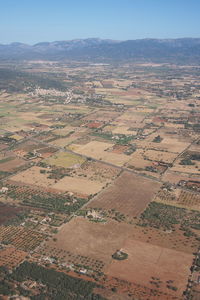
<point x="129" y="194"/>
<point x="153" y="266"/>
<point x="8" y="212"/>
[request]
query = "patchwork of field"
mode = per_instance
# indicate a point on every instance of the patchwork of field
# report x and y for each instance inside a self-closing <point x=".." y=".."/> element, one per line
<point x="29" y="146"/>
<point x="99" y="176"/>
<point x="64" y="138"/>
<point x="76" y="184"/>
<point x="47" y="199"/>
<point x="129" y="194"/>
<point x="71" y="258"/>
<point x="137" y="160"/>
<point x="123" y="130"/>
<point x="131" y="119"/>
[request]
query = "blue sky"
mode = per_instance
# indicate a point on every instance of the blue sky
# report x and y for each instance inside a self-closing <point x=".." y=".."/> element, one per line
<point x="32" y="21"/>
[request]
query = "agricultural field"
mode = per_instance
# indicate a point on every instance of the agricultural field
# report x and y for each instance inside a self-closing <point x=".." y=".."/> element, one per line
<point x="182" y="198"/>
<point x="97" y="171"/>
<point x="190" y="168"/>
<point x="97" y="235"/>
<point x="8" y="213"/>
<point x="168" y="143"/>
<point x="175" y="177"/>
<point x="21" y="238"/>
<point x="11" y="257"/>
<point x="189" y="199"/>
<point x="99" y="180"/>
<point x="80" y="186"/>
<point x="167" y="217"/>
<point x="44" y="198"/>
<point x="99" y="151"/>
<point x="155" y="267"/>
<point x="65" y="159"/>
<point x="162" y="156"/>
<point x="11" y="163"/>
<point x="175" y="239"/>
<point x="33" y="176"/>
<point x="129" y="194"/>
<point x="61" y="180"/>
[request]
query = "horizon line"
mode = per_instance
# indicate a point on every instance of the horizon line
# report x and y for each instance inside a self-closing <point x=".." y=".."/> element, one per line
<point x="96" y="38"/>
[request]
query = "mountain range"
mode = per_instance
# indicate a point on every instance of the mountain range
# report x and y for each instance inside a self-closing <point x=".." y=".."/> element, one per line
<point x="183" y="51"/>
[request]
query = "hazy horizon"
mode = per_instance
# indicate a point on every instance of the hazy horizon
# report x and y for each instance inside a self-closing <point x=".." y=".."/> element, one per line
<point x="86" y="38"/>
<point x="34" y="22"/>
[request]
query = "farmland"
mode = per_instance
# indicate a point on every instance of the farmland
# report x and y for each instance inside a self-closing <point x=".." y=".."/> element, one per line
<point x="64" y="159"/>
<point x="129" y="195"/>
<point x="8" y="212"/>
<point x="78" y="185"/>
<point x="158" y="267"/>
<point x="11" y="257"/>
<point x="112" y="234"/>
<point x="22" y="239"/>
<point x="44" y="198"/>
<point x="99" y="181"/>
<point x="164" y="216"/>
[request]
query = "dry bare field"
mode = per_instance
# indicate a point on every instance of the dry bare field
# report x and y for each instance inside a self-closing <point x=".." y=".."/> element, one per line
<point x="97" y="171"/>
<point x="63" y="131"/>
<point x="8" y="212"/>
<point x="175" y="177"/>
<point x="169" y="142"/>
<point x="94" y="240"/>
<point x="11" y="164"/>
<point x="78" y="185"/>
<point x="130" y="119"/>
<point x="123" y="130"/>
<point x="162" y="156"/>
<point x="33" y="176"/>
<point x="153" y="266"/>
<point x="175" y="240"/>
<point x="137" y="160"/>
<point x="102" y="116"/>
<point x="97" y="150"/>
<point x="128" y="194"/>
<point x="188" y="169"/>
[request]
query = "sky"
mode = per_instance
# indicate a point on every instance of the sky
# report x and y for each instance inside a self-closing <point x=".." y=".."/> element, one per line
<point x="32" y="21"/>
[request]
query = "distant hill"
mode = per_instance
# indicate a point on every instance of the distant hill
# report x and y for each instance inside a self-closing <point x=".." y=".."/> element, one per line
<point x="183" y="51"/>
